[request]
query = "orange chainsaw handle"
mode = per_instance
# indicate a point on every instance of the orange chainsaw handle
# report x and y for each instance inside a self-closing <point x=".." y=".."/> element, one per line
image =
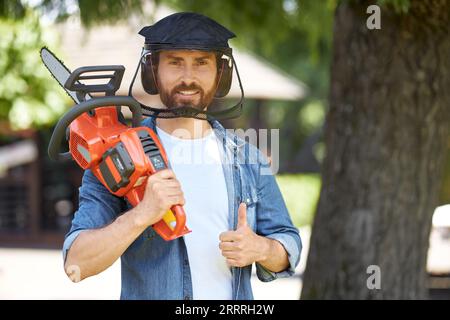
<point x="180" y="218"/>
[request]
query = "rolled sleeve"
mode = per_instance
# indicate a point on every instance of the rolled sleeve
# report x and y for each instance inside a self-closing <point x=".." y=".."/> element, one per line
<point x="97" y="208"/>
<point x="293" y="248"/>
<point x="70" y="238"/>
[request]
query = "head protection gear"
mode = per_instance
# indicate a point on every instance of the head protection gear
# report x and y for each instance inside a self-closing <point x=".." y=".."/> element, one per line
<point x="188" y="31"/>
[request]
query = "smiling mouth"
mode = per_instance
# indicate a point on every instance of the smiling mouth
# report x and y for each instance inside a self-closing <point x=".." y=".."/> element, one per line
<point x="187" y="93"/>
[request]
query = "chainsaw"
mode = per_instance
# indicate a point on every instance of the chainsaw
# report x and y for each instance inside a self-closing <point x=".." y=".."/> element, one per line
<point x="121" y="157"/>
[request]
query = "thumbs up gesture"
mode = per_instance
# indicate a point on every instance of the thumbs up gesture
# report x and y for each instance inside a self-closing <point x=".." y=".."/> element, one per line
<point x="241" y="247"/>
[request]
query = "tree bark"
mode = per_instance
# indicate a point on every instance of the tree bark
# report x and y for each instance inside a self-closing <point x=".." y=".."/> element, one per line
<point x="386" y="135"/>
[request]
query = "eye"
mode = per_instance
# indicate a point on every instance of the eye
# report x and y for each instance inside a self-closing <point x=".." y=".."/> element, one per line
<point x="202" y="62"/>
<point x="174" y="62"/>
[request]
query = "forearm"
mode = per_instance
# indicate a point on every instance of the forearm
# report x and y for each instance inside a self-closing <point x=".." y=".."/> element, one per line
<point x="95" y="250"/>
<point x="273" y="255"/>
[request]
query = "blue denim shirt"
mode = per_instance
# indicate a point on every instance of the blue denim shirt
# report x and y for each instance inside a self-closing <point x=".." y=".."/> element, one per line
<point x="156" y="269"/>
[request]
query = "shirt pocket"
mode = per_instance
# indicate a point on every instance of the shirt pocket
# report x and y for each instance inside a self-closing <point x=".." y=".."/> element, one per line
<point x="250" y="198"/>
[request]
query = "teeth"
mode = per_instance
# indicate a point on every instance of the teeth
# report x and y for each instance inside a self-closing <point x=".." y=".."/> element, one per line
<point x="190" y="92"/>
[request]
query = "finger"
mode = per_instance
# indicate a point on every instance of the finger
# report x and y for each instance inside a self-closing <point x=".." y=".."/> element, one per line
<point x="172" y="191"/>
<point x="165" y="174"/>
<point x="227" y="246"/>
<point x="230" y="236"/>
<point x="230" y="254"/>
<point x="232" y="262"/>
<point x="173" y="200"/>
<point x="242" y="215"/>
<point x="171" y="184"/>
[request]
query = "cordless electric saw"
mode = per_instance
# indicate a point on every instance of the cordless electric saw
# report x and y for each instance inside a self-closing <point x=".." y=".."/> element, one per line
<point x="122" y="158"/>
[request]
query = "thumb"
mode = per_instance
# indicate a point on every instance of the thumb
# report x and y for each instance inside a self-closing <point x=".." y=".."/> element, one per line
<point x="242" y="215"/>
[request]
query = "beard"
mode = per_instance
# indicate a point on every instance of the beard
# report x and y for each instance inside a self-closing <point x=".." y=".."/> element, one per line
<point x="169" y="98"/>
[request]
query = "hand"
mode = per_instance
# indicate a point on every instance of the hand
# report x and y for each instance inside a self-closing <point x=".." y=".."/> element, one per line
<point x="161" y="192"/>
<point x="242" y="247"/>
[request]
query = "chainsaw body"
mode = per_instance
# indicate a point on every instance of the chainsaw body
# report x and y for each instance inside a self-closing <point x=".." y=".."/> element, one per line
<point x="121" y="157"/>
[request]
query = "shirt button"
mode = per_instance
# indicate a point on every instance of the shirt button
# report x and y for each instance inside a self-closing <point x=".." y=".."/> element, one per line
<point x="187" y="298"/>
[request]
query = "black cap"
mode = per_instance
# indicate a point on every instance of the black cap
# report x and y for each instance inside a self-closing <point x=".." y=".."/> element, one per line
<point x="186" y="30"/>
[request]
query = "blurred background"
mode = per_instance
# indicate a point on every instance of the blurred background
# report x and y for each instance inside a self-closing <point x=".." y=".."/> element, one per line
<point x="363" y="115"/>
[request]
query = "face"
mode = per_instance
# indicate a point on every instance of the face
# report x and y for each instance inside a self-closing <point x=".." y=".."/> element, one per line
<point x="187" y="78"/>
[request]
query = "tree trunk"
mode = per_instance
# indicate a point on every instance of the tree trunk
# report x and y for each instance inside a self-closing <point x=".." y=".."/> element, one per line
<point x="386" y="135"/>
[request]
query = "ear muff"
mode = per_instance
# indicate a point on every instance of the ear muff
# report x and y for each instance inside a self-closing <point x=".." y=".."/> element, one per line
<point x="225" y="73"/>
<point x="148" y="70"/>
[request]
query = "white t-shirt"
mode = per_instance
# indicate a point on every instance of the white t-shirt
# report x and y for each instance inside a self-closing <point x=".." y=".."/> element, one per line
<point x="198" y="167"/>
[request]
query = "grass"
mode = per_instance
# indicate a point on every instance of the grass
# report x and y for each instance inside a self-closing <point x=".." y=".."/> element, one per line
<point x="301" y="194"/>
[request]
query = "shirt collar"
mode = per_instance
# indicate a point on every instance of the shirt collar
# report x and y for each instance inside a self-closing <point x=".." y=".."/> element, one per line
<point x="229" y="139"/>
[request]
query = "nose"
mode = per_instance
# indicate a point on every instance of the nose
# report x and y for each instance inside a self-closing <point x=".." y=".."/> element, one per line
<point x="188" y="75"/>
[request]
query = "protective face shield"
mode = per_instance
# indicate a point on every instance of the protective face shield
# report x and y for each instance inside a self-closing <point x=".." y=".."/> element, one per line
<point x="189" y="32"/>
<point x="224" y="62"/>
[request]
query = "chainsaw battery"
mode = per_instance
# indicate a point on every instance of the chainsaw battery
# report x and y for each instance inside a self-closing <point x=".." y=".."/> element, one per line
<point x="116" y="167"/>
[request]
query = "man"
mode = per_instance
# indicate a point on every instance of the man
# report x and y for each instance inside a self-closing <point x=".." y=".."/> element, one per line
<point x="236" y="214"/>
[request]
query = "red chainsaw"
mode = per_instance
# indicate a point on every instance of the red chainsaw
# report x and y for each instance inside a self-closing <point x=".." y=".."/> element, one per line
<point x="121" y="157"/>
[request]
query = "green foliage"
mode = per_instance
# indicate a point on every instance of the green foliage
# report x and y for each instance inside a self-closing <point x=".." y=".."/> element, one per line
<point x="301" y="195"/>
<point x="311" y="115"/>
<point x="91" y="12"/>
<point x="28" y="95"/>
<point x="12" y="9"/>
<point x="399" y="6"/>
<point x="250" y="20"/>
<point x="293" y="34"/>
<point x="110" y="11"/>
